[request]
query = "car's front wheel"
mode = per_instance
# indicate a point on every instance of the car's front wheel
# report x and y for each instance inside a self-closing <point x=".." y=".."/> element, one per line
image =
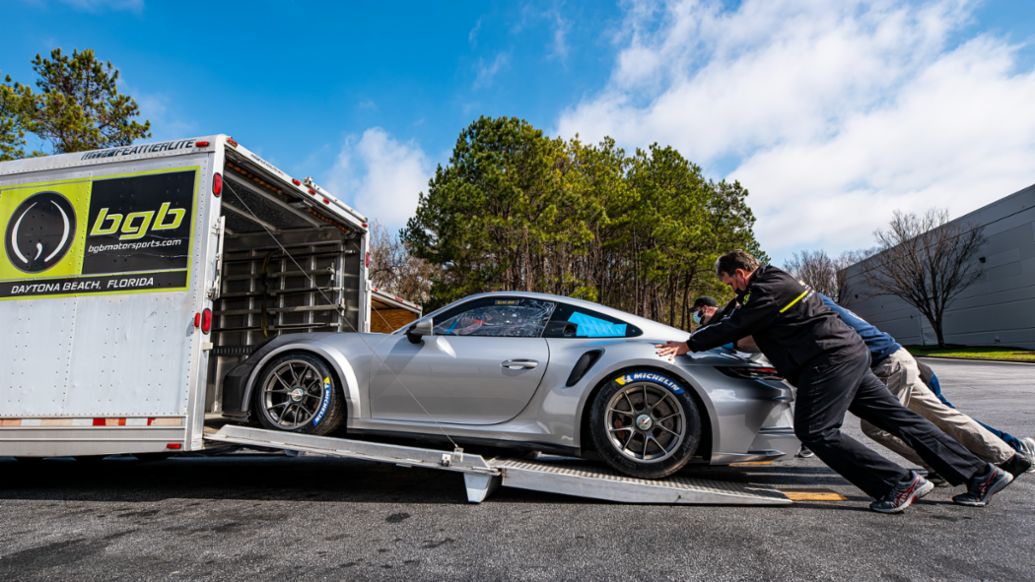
<point x="297" y="392"/>
<point x="645" y="424"/>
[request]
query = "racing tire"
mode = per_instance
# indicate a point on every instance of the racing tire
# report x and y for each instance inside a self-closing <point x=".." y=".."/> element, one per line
<point x="298" y="392"/>
<point x="645" y="424"/>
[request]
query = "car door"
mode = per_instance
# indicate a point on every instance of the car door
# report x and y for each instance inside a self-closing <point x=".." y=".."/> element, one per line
<point x="482" y="365"/>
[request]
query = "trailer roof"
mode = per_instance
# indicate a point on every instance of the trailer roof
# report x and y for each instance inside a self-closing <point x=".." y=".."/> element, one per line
<point x="179" y="147"/>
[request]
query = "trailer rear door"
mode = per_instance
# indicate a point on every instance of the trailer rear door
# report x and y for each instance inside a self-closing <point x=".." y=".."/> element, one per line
<point x="102" y="279"/>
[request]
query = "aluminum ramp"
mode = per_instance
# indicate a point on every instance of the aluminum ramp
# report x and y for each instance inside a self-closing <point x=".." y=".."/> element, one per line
<point x="482" y="476"/>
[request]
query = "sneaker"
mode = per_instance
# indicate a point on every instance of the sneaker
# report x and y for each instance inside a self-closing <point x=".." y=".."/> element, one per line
<point x="1029" y="451"/>
<point x="1017" y="465"/>
<point x="805" y="453"/>
<point x="903" y="495"/>
<point x="981" y="488"/>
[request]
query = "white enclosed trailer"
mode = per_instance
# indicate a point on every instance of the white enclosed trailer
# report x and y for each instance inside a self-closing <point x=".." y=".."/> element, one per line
<point x="133" y="278"/>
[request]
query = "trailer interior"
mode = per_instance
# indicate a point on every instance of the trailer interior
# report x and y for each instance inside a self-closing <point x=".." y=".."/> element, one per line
<point x="289" y="264"/>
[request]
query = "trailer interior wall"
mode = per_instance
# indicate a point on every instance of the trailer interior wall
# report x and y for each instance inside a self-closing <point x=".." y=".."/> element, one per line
<point x="285" y="269"/>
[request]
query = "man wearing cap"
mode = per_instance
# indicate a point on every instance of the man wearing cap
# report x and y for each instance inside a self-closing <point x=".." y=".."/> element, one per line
<point x="706" y="310"/>
<point x="830" y="365"/>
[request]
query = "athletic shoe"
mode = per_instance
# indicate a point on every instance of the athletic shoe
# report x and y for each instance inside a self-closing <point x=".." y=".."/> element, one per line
<point x="981" y="488"/>
<point x="805" y="453"/>
<point x="1029" y="451"/>
<point x="903" y="495"/>
<point x="1017" y="465"/>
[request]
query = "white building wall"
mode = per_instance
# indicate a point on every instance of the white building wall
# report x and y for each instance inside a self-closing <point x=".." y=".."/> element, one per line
<point x="998" y="309"/>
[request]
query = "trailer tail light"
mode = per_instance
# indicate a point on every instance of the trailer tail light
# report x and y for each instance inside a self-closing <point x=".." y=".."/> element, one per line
<point x="217" y="184"/>
<point x="197" y="320"/>
<point x="201" y="144"/>
<point x="296" y="181"/>
<point x="174" y="446"/>
<point x="206" y="320"/>
<point x="230" y="141"/>
<point x="367" y="265"/>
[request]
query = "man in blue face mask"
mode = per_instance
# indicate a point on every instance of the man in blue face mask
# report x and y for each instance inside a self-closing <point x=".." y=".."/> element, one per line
<point x="707" y="311"/>
<point x="704" y="309"/>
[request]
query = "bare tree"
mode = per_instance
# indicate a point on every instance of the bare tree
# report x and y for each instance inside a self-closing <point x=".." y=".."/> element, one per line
<point x="817" y="270"/>
<point x="841" y="263"/>
<point x="395" y="270"/>
<point x="926" y="261"/>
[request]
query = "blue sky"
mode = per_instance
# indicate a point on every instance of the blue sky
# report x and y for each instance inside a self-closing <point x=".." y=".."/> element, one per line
<point x="832" y="114"/>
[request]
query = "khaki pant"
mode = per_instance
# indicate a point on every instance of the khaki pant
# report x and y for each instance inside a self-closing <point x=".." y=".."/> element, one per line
<point x="900" y="373"/>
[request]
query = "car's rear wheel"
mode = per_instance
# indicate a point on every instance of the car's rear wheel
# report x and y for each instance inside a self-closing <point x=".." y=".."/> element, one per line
<point x="298" y="392"/>
<point x="645" y="424"/>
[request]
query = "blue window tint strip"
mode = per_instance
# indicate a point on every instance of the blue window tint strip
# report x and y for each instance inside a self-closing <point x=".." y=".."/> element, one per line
<point x="589" y="326"/>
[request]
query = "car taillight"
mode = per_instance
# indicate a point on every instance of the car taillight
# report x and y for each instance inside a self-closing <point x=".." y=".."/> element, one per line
<point x="751" y="372"/>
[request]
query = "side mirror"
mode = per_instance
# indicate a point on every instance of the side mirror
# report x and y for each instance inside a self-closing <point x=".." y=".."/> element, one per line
<point x="417" y="331"/>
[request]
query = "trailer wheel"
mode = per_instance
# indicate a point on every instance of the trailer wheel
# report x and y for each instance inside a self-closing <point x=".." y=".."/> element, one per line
<point x="645" y="424"/>
<point x="298" y="392"/>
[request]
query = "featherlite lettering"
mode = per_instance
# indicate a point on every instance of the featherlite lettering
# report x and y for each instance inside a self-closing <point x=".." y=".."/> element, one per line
<point x="167" y="146"/>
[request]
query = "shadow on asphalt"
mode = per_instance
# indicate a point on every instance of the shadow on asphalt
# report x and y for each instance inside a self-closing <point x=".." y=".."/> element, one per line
<point x="318" y="479"/>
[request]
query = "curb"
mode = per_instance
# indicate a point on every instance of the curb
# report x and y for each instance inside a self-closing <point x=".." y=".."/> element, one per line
<point x="979" y="360"/>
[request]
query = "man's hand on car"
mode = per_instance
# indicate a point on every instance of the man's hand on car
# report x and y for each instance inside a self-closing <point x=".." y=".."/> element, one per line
<point x="672" y="349"/>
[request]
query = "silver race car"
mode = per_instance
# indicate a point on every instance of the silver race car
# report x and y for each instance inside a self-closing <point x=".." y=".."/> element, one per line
<point x="525" y="371"/>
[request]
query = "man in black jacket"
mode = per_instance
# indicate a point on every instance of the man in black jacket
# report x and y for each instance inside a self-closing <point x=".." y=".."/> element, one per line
<point x="830" y="365"/>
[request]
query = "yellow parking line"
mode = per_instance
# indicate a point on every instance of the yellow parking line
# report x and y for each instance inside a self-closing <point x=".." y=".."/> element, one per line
<point x="750" y="463"/>
<point x="814" y="495"/>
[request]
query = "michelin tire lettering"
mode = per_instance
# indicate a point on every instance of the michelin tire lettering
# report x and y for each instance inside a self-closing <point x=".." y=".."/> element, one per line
<point x="651" y="377"/>
<point x="326" y="401"/>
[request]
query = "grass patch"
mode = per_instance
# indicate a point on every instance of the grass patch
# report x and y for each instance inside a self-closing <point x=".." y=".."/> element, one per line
<point x="975" y="353"/>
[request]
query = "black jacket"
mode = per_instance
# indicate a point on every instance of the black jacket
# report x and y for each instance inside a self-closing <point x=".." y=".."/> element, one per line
<point x="790" y="324"/>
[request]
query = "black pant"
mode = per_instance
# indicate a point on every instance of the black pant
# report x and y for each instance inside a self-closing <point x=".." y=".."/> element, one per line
<point x="828" y="389"/>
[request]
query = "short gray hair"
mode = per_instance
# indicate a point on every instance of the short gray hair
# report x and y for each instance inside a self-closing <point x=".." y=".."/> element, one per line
<point x="733" y="260"/>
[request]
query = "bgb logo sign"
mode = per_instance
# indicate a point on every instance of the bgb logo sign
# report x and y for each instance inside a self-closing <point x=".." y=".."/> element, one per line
<point x="40" y="232"/>
<point x="105" y="235"/>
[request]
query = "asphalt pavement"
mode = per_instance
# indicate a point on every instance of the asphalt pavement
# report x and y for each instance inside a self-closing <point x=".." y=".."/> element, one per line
<point x="262" y="516"/>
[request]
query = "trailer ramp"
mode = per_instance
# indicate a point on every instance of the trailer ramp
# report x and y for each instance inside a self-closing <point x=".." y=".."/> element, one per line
<point x="598" y="483"/>
<point x="482" y="476"/>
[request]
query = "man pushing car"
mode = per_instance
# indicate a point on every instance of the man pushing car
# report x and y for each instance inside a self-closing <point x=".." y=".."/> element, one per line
<point x="830" y="366"/>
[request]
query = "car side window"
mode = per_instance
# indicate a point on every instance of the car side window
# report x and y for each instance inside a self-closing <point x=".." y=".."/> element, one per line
<point x="498" y="317"/>
<point x="569" y="321"/>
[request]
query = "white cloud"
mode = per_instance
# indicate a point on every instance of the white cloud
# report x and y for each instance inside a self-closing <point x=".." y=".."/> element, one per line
<point x="154" y="107"/>
<point x="102" y="5"/>
<point x="835" y="114"/>
<point x="559" y="46"/>
<point x="380" y="176"/>
<point x="486" y="71"/>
